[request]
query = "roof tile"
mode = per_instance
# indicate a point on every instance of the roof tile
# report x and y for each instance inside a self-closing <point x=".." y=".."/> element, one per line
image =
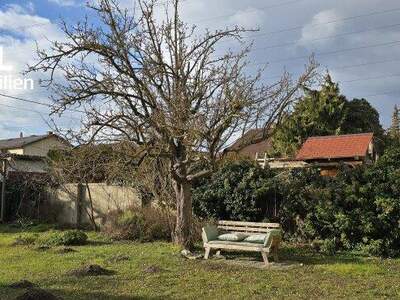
<point x="339" y="146"/>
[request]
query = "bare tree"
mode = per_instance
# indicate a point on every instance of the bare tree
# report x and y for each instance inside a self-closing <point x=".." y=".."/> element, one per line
<point x="160" y="85"/>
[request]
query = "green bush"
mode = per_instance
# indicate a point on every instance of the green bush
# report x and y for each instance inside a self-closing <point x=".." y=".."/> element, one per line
<point x="239" y="190"/>
<point x="52" y="238"/>
<point x="359" y="208"/>
<point x="63" y="238"/>
<point x="74" y="238"/>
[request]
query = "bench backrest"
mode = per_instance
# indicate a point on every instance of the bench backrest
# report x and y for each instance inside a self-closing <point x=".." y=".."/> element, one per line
<point x="248" y="227"/>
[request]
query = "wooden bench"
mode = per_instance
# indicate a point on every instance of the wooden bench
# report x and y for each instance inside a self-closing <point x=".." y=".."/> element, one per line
<point x="268" y="247"/>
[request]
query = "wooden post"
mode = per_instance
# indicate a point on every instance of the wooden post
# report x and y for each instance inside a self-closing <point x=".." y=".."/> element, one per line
<point x="80" y="196"/>
<point x="265" y="160"/>
<point x="3" y="190"/>
<point x="207" y="254"/>
<point x="265" y="258"/>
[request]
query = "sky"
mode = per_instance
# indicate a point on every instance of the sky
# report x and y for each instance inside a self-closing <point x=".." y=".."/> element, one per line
<point x="358" y="41"/>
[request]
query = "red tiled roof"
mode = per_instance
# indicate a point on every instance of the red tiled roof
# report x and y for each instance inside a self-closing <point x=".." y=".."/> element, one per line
<point x="335" y="146"/>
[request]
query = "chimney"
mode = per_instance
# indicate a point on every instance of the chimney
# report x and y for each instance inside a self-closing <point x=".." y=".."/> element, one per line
<point x="21" y="134"/>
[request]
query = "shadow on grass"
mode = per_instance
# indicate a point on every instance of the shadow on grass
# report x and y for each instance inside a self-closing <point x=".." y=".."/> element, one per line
<point x="11" y="293"/>
<point x="99" y="296"/>
<point x="304" y="255"/>
<point x="308" y="256"/>
<point x="98" y="243"/>
<point x="15" y="228"/>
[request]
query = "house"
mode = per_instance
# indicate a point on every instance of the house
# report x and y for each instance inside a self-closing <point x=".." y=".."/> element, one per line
<point x="27" y="154"/>
<point x="250" y="145"/>
<point x="254" y="145"/>
<point x="33" y="145"/>
<point x="18" y="164"/>
<point x="329" y="152"/>
<point x="23" y="164"/>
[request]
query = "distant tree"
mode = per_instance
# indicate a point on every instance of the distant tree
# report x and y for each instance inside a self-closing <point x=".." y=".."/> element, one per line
<point x="326" y="112"/>
<point x="319" y="112"/>
<point x="394" y="130"/>
<point x="361" y="117"/>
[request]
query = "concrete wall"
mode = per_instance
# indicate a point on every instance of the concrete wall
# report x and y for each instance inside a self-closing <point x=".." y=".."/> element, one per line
<point x="66" y="201"/>
<point x="74" y="202"/>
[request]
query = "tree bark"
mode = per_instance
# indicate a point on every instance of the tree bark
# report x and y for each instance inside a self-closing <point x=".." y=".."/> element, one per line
<point x="91" y="212"/>
<point x="183" y="192"/>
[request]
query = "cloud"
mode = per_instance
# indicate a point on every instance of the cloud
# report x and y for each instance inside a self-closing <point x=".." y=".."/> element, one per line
<point x="314" y="29"/>
<point x="248" y="18"/>
<point x="304" y="16"/>
<point x="27" y="8"/>
<point x="16" y="19"/>
<point x="21" y="32"/>
<point x="65" y="2"/>
<point x="127" y="4"/>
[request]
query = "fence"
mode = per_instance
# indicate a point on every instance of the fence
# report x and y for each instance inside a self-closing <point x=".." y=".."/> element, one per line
<point x="75" y="203"/>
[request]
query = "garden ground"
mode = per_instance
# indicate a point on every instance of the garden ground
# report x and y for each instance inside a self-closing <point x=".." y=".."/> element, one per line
<point x="157" y="271"/>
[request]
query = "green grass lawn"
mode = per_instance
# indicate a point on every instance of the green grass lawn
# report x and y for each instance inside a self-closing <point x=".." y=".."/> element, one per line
<point x="342" y="276"/>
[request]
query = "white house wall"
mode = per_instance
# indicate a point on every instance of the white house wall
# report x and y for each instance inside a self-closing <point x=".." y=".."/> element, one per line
<point x="42" y="147"/>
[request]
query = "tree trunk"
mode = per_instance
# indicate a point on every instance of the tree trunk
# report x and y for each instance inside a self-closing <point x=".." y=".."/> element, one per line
<point x="183" y="225"/>
<point x="91" y="212"/>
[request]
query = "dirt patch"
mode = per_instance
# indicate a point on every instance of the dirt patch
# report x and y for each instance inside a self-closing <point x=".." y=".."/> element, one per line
<point x="152" y="269"/>
<point x="91" y="270"/>
<point x="37" y="294"/>
<point x="23" y="284"/>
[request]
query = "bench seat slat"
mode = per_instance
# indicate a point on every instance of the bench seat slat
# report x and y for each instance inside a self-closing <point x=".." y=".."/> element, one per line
<point x="243" y="229"/>
<point x="250" y="224"/>
<point x="239" y="246"/>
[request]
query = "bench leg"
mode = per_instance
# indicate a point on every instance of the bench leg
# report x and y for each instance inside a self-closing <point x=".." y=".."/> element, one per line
<point x="265" y="258"/>
<point x="275" y="253"/>
<point x="207" y="253"/>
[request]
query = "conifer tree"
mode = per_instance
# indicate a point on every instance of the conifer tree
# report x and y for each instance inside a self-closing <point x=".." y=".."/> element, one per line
<point x="394" y="130"/>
